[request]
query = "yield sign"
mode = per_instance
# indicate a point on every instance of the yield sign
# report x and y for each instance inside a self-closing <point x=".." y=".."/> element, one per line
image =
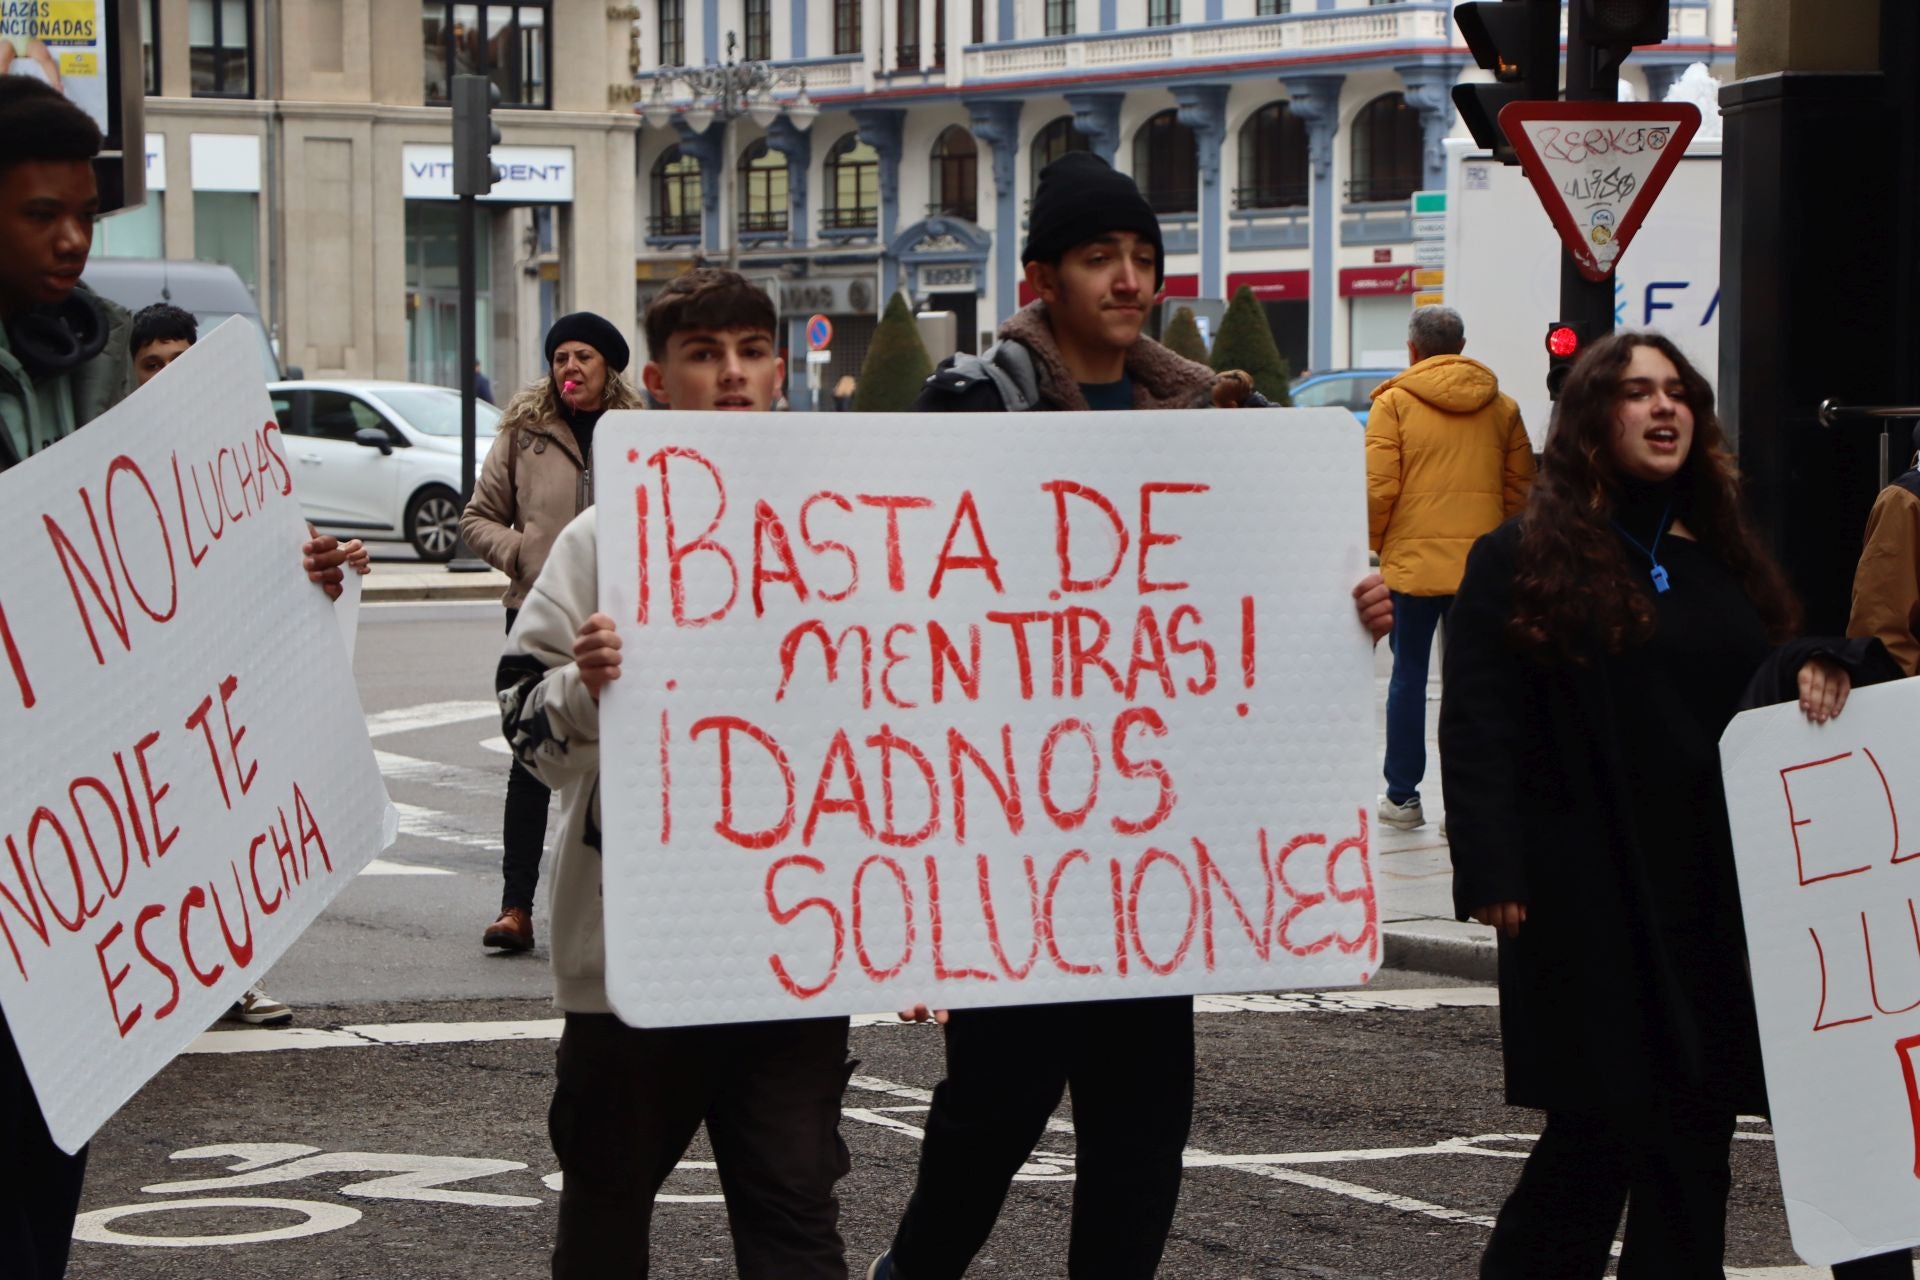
<point x="1598" y="167"/>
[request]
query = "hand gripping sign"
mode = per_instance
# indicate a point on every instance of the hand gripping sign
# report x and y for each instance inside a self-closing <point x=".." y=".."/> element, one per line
<point x="985" y="709"/>
<point x="1826" y="832"/>
<point x="189" y="779"/>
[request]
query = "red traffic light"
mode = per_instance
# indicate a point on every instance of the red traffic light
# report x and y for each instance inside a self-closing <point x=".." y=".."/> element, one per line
<point x="1562" y="341"/>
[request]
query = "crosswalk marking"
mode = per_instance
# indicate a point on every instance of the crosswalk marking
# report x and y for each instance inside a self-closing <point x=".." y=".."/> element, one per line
<point x="429" y="715"/>
<point x="382" y="867"/>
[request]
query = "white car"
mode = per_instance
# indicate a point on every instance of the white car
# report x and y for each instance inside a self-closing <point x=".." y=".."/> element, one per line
<point x="380" y="461"/>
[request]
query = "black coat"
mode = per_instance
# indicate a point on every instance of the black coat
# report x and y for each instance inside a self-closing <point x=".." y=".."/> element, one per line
<point x="1591" y="793"/>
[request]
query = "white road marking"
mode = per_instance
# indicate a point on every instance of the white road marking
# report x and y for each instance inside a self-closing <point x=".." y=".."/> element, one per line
<point x="497" y="743"/>
<point x="432" y="824"/>
<point x="429" y="715"/>
<point x="381" y="867"/>
<point x="420" y="1178"/>
<point x="96" y="1227"/>
<point x="488" y="784"/>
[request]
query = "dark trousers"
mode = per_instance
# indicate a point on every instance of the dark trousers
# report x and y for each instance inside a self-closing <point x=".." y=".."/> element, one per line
<point x="1414" y="621"/>
<point x="1672" y="1180"/>
<point x="39" y="1183"/>
<point x="523" y="834"/>
<point x="627" y="1103"/>
<point x="1129" y="1064"/>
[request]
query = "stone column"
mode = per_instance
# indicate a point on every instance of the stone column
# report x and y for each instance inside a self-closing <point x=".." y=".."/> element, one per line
<point x="1203" y="108"/>
<point x="1316" y="100"/>
<point x="880" y="128"/>
<point x="997" y="123"/>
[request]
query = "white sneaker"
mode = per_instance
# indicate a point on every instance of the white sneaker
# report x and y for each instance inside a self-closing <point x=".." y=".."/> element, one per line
<point x="1402" y="817"/>
<point x="258" y="1009"/>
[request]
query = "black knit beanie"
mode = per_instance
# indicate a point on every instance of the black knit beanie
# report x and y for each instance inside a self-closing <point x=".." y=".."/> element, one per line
<point x="596" y="331"/>
<point x="1080" y="197"/>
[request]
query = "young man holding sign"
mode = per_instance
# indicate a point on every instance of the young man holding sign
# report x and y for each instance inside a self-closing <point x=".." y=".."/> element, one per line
<point x="1094" y="255"/>
<point x="628" y="1099"/>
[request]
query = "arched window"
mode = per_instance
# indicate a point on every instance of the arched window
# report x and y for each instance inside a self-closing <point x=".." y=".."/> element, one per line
<point x="1166" y="164"/>
<point x="676" y="195"/>
<point x="763" y="188"/>
<point x="956" y="184"/>
<point x="1386" y="151"/>
<point x="853" y="185"/>
<point x="1055" y="141"/>
<point x="1273" y="160"/>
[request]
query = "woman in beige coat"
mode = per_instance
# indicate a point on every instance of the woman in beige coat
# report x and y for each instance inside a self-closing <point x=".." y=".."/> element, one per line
<point x="538" y="476"/>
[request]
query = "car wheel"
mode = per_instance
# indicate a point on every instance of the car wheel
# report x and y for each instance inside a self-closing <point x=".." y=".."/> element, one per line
<point x="433" y="523"/>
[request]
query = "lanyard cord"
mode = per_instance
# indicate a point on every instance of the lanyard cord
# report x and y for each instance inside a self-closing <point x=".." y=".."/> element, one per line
<point x="1661" y="580"/>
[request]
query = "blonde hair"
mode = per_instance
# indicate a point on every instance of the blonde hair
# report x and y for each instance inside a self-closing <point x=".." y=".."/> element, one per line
<point x="537" y="402"/>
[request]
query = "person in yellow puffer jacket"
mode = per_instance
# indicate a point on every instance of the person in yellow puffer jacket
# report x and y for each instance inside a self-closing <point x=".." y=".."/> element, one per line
<point x="1448" y="460"/>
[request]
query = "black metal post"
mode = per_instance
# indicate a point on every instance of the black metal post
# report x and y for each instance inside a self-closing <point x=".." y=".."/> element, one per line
<point x="1593" y="75"/>
<point x="464" y="561"/>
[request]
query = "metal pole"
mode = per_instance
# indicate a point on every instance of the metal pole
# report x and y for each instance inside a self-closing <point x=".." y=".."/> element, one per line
<point x="464" y="561"/>
<point x="1592" y="76"/>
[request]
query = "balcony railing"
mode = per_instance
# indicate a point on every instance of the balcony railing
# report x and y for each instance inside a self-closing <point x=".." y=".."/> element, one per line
<point x="856" y="218"/>
<point x="763" y="221"/>
<point x="673" y="224"/>
<point x="968" y="209"/>
<point x="1174" y="201"/>
<point x="1381" y="190"/>
<point x="1284" y="195"/>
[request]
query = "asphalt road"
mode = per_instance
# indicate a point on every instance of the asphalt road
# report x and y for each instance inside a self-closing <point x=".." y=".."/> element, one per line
<point x="401" y="1132"/>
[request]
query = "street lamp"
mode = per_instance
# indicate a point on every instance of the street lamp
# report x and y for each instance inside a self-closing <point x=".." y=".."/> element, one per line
<point x="725" y="92"/>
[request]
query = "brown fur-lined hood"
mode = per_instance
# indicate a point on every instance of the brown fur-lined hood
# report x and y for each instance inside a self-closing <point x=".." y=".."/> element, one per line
<point x="1161" y="378"/>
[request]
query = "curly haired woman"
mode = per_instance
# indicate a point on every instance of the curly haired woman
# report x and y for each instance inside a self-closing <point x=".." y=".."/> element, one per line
<point x="1599" y="645"/>
<point x="537" y="477"/>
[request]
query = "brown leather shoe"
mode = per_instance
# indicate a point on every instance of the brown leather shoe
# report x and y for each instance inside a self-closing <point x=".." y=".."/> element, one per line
<point x="513" y="931"/>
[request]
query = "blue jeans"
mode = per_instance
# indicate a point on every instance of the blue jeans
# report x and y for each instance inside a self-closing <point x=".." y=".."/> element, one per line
<point x="1414" y="618"/>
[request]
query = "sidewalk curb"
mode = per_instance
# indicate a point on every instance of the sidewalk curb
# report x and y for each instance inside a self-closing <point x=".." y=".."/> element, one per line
<point x="1472" y="959"/>
<point x="456" y="586"/>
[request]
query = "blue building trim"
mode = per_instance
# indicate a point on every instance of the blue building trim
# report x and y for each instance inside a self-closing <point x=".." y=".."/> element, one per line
<point x="1272" y="231"/>
<point x="1429" y="91"/>
<point x="1097" y="117"/>
<point x="797" y="146"/>
<point x="1109" y="15"/>
<point x="1179" y="233"/>
<point x="1316" y="101"/>
<point x="1005" y="29"/>
<point x="708" y="149"/>
<point x="1216" y="10"/>
<point x="998" y="125"/>
<point x="880" y="128"/>
<point x="1389" y="222"/>
<point x="797" y="25"/>
<point x="1203" y="108"/>
<point x="710" y="29"/>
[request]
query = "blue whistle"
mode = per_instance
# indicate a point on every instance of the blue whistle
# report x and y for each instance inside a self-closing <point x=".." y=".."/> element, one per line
<point x="1659" y="576"/>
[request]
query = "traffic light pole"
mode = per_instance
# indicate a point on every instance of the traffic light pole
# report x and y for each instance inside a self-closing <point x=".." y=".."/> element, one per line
<point x="464" y="561"/>
<point x="1593" y="75"/>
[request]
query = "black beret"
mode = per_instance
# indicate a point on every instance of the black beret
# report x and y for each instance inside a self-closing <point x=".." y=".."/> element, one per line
<point x="596" y="331"/>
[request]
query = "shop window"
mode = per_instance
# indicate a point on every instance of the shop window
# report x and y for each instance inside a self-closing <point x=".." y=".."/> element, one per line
<point x="763" y="189"/>
<point x="226" y="228"/>
<point x="1273" y="160"/>
<point x="1386" y="151"/>
<point x="853" y="186"/>
<point x="507" y="43"/>
<point x="132" y="233"/>
<point x="759" y="14"/>
<point x="676" y="195"/>
<point x="1054" y="141"/>
<point x="956" y="170"/>
<point x="220" y="48"/>
<point x="1166" y="164"/>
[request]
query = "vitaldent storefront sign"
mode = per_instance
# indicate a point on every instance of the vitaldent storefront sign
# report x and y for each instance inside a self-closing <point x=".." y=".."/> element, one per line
<point x="533" y="175"/>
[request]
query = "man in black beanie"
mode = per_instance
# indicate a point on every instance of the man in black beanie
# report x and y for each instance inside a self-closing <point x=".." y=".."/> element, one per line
<point x="1094" y="255"/>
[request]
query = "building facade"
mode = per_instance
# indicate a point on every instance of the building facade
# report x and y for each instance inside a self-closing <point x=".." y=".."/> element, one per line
<point x="308" y="145"/>
<point x="1279" y="140"/>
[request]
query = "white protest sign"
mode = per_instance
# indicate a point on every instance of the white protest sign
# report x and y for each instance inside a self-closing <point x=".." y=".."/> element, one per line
<point x="189" y="779"/>
<point x="982" y="709"/>
<point x="1828" y="882"/>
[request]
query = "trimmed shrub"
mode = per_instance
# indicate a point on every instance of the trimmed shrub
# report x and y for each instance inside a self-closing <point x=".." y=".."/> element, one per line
<point x="1245" y="342"/>
<point x="897" y="363"/>
<point x="1182" y="336"/>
